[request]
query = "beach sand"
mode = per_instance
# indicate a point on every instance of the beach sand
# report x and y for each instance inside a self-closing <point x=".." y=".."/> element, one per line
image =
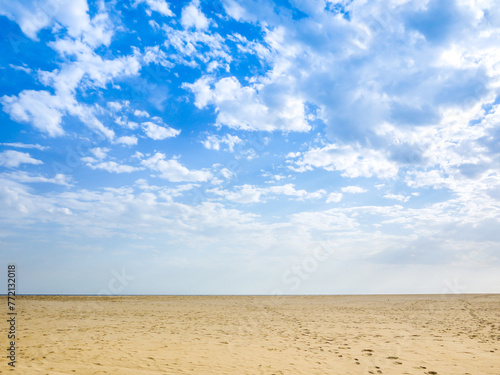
<point x="396" y="334"/>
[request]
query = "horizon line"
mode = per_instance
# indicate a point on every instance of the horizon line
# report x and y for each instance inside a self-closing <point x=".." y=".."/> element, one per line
<point x="244" y="295"/>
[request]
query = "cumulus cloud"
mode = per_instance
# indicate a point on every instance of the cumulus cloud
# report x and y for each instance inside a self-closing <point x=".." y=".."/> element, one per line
<point x="351" y="161"/>
<point x="214" y="142"/>
<point x="43" y="110"/>
<point x="157" y="132"/>
<point x="174" y="171"/>
<point x="13" y="159"/>
<point x="353" y="189"/>
<point x="197" y="48"/>
<point x="89" y="66"/>
<point x="202" y="91"/>
<point x="160" y="6"/>
<point x="289" y="190"/>
<point x="25" y="145"/>
<point x="21" y="68"/>
<point x="115" y="106"/>
<point x="127" y="140"/>
<point x="193" y="17"/>
<point x="397" y="197"/>
<point x="100" y="152"/>
<point x="97" y="161"/>
<point x="81" y="66"/>
<point x="254" y="194"/>
<point x="384" y="66"/>
<point x="112" y="167"/>
<point x="243" y="194"/>
<point x="242" y="107"/>
<point x="334" y="197"/>
<point x="139" y="113"/>
<point x="33" y="16"/>
<point x="24" y="177"/>
<point x="132" y="125"/>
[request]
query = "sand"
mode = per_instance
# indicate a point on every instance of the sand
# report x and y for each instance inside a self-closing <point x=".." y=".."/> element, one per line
<point x="417" y="334"/>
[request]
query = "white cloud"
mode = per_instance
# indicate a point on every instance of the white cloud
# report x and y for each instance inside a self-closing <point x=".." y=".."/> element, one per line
<point x="167" y="193"/>
<point x="19" y="176"/>
<point x="214" y="142"/>
<point x="127" y="140"/>
<point x="397" y="197"/>
<point x="115" y="106"/>
<point x="202" y="93"/>
<point x="100" y="213"/>
<point x="87" y="116"/>
<point x="173" y="171"/>
<point x="21" y="68"/>
<point x="100" y="152"/>
<point x="113" y="167"/>
<point x="193" y="17"/>
<point x="139" y="113"/>
<point x="126" y="124"/>
<point x="89" y="67"/>
<point x="157" y="56"/>
<point x="89" y="160"/>
<point x="253" y="194"/>
<point x="352" y="161"/>
<point x="33" y="16"/>
<point x="98" y="162"/>
<point x="243" y="194"/>
<point x="289" y="190"/>
<point x="154" y="25"/>
<point x="433" y="178"/>
<point x="353" y="189"/>
<point x="13" y="159"/>
<point x="226" y="173"/>
<point x="81" y="68"/>
<point x="428" y="85"/>
<point x="242" y="107"/>
<point x="25" y="145"/>
<point x="234" y="9"/>
<point x="196" y="47"/>
<point x="157" y="132"/>
<point x="138" y="155"/>
<point x="251" y="47"/>
<point x="277" y="177"/>
<point x="43" y="110"/>
<point x="334" y="197"/>
<point x="329" y="220"/>
<point x="160" y="6"/>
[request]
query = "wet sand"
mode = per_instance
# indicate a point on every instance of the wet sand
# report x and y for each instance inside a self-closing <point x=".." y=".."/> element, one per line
<point x="404" y="334"/>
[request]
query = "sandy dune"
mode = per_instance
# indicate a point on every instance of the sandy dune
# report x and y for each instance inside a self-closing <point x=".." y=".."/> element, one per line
<point x="457" y="334"/>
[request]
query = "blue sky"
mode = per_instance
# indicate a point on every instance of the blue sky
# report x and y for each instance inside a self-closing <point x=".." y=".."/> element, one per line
<point x="250" y="147"/>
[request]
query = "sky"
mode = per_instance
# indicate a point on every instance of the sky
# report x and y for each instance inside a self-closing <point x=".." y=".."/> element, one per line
<point x="250" y="147"/>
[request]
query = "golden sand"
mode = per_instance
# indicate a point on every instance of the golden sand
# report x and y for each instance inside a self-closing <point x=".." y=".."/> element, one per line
<point x="449" y="334"/>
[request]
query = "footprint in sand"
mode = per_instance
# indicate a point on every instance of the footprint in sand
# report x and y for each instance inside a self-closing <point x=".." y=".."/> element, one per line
<point x="367" y="352"/>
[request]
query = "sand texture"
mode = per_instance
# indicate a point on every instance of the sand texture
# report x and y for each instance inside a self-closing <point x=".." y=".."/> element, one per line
<point x="454" y="334"/>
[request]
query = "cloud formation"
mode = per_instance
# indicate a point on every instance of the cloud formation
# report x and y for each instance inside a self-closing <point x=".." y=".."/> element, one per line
<point x="172" y="170"/>
<point x="13" y="159"/>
